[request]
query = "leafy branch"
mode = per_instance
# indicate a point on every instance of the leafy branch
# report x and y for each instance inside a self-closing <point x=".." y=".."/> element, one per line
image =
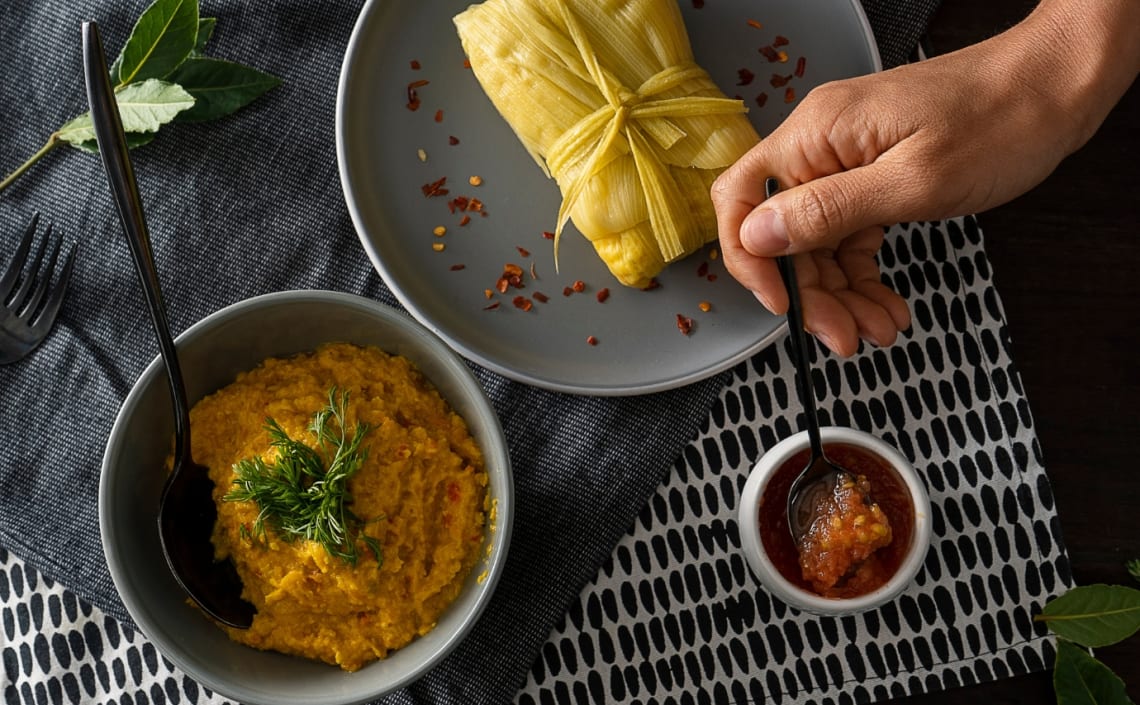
<point x="1089" y="617"/>
<point x="160" y="76"/>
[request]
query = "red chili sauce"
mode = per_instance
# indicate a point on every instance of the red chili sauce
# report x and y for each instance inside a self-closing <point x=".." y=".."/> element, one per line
<point x="887" y="490"/>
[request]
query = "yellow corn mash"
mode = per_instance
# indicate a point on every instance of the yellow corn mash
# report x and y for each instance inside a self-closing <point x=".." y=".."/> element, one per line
<point x="423" y="476"/>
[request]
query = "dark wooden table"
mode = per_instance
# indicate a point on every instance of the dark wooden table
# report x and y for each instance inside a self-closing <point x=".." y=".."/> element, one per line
<point x="1066" y="260"/>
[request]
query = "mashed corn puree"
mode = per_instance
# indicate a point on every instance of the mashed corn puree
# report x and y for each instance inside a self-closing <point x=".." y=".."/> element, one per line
<point x="423" y="476"/>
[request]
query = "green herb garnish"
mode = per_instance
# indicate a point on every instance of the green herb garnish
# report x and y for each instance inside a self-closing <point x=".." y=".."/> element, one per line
<point x="303" y="493"/>
<point x="161" y="76"/>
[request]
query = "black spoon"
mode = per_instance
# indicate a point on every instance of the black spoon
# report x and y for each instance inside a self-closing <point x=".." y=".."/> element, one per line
<point x="820" y="475"/>
<point x="186" y="513"/>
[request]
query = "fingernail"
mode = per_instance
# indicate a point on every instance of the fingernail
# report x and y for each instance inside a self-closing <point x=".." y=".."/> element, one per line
<point x="763" y="300"/>
<point x="763" y="233"/>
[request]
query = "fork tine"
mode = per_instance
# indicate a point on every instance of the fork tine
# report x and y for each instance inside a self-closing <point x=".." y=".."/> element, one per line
<point x="28" y="309"/>
<point x="16" y="303"/>
<point x="46" y="317"/>
<point x="18" y="259"/>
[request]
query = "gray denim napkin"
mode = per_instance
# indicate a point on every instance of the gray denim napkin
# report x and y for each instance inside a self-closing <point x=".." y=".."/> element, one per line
<point x="249" y="205"/>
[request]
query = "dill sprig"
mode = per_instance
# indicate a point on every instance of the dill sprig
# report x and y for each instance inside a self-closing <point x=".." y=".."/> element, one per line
<point x="303" y="493"/>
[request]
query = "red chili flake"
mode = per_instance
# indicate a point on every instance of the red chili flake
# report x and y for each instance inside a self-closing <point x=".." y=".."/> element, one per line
<point x="567" y="291"/>
<point x="548" y="235"/>
<point x="579" y="286"/>
<point x="712" y="277"/>
<point x="474" y="204"/>
<point x="770" y="53"/>
<point x="439" y="116"/>
<point x="435" y="188"/>
<point x="698" y="4"/>
<point x="761" y="99"/>
<point x="684" y="324"/>
<point x="746" y="77"/>
<point x="789" y="94"/>
<point x="458" y="267"/>
<point x="459" y="203"/>
<point x="603" y="294"/>
<point x="779" y="81"/>
<point x="523" y="251"/>
<point x="523" y="303"/>
<point x="591" y="340"/>
<point x="755" y="24"/>
<point x="801" y="64"/>
<point x="511" y="277"/>
<point x="780" y="41"/>
<point x="653" y="284"/>
<point x="703" y="269"/>
<point x="782" y="56"/>
<point x="467" y="63"/>
<point x="413" y="94"/>
<point x="465" y="219"/>
<point x="492" y="307"/>
<point x="541" y="297"/>
<point x="453" y="140"/>
<point x="415" y="65"/>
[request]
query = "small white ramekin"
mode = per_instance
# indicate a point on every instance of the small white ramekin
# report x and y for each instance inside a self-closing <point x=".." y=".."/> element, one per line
<point x="796" y="596"/>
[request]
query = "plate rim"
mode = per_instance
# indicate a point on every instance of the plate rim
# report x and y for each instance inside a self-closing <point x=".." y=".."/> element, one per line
<point x="701" y="373"/>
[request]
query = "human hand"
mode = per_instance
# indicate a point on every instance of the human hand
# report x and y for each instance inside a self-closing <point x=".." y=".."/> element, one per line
<point x="949" y="136"/>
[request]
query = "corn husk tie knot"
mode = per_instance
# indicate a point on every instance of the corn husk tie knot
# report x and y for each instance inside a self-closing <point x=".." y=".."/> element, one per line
<point x="638" y="122"/>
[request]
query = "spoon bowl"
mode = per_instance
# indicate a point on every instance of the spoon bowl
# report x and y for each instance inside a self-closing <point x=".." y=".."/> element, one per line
<point x="186" y="512"/>
<point x="820" y="476"/>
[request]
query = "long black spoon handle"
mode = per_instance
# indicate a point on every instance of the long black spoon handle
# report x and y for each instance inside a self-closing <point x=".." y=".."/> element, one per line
<point x="798" y="339"/>
<point x="113" y="148"/>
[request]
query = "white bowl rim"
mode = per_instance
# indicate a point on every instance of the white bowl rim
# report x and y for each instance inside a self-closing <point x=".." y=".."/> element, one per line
<point x="795" y="596"/>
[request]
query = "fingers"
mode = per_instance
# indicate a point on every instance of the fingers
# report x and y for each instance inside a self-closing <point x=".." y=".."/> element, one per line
<point x="821" y="212"/>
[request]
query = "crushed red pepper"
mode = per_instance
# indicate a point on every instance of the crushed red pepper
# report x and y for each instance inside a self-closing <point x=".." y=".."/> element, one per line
<point x="744" y="77"/>
<point x="684" y="324"/>
<point x="602" y="295"/>
<point x="439" y="116"/>
<point x="523" y="251"/>
<point x="453" y="140"/>
<point x="435" y="188"/>
<point x="801" y="64"/>
<point x="415" y="65"/>
<point x="413" y="94"/>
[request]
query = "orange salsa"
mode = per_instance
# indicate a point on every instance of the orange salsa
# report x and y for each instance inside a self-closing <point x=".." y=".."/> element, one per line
<point x="842" y="555"/>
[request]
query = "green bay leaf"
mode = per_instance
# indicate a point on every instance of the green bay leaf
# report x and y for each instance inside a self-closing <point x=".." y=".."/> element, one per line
<point x="219" y="87"/>
<point x="1080" y="679"/>
<point x="143" y="107"/>
<point x="205" y="31"/>
<point x="164" y="35"/>
<point x="1094" y="615"/>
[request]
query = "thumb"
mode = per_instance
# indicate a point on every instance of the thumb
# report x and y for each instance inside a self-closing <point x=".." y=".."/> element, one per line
<point x="818" y="213"/>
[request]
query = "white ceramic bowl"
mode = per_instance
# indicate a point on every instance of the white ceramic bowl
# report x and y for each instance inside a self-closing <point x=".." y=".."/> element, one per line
<point x="211" y="354"/>
<point x="794" y="595"/>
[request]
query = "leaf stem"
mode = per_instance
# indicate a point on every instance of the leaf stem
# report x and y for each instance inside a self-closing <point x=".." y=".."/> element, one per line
<point x="52" y="143"/>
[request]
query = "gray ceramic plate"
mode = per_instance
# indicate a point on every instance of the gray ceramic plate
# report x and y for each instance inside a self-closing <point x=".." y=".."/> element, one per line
<point x="639" y="348"/>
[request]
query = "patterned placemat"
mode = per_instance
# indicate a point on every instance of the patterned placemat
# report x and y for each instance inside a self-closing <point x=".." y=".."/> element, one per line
<point x="674" y="616"/>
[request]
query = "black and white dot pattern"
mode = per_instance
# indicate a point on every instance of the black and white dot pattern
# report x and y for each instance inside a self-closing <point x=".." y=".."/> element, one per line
<point x="674" y="615"/>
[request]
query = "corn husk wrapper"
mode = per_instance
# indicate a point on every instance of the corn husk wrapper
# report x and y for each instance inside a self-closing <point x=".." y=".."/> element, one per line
<point x="606" y="97"/>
